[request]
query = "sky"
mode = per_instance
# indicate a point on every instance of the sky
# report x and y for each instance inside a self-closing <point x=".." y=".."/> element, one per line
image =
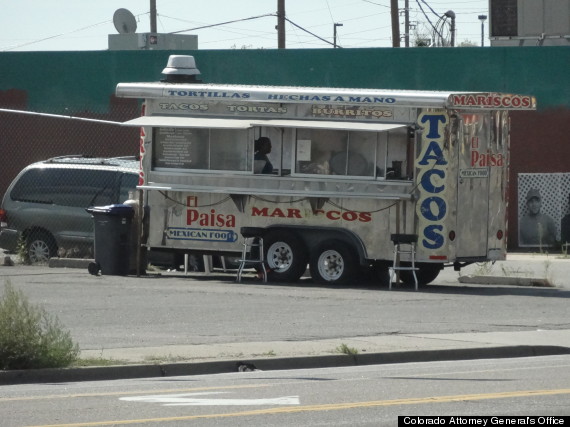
<point x="63" y="25"/>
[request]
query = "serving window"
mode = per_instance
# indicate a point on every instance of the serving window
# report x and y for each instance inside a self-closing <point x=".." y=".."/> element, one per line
<point x="202" y="149"/>
<point x="301" y="151"/>
<point x="359" y="154"/>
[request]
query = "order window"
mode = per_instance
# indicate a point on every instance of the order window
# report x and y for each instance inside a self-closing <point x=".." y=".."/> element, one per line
<point x="203" y="149"/>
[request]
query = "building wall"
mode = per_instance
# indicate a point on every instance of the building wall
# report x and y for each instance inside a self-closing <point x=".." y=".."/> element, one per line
<point x="83" y="84"/>
<point x="529" y="22"/>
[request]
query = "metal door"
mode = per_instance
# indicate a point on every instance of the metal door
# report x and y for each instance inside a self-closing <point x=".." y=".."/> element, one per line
<point x="475" y="160"/>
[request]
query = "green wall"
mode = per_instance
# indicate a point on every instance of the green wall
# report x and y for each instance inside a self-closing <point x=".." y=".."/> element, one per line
<point x="55" y="81"/>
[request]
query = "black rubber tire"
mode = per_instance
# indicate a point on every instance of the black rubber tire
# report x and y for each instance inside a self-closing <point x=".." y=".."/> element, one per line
<point x="382" y="274"/>
<point x="426" y="274"/>
<point x="94" y="268"/>
<point x="286" y="256"/>
<point x="40" y="247"/>
<point x="333" y="263"/>
<point x="374" y="274"/>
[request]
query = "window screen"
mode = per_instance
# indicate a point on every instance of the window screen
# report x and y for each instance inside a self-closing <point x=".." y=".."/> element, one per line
<point x="129" y="182"/>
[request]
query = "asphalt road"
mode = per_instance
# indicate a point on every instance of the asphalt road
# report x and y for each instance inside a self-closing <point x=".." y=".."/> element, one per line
<point x="356" y="396"/>
<point x="171" y="309"/>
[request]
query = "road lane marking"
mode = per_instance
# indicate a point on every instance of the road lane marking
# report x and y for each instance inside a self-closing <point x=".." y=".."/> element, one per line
<point x="122" y="393"/>
<point x="328" y="407"/>
<point x="189" y="399"/>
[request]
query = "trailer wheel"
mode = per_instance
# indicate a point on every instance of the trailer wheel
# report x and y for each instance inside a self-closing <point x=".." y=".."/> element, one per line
<point x="426" y="274"/>
<point x="333" y="262"/>
<point x="286" y="256"/>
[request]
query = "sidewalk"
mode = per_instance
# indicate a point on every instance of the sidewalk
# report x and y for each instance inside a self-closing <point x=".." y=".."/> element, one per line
<point x="318" y="348"/>
<point x="164" y="361"/>
<point x="522" y="269"/>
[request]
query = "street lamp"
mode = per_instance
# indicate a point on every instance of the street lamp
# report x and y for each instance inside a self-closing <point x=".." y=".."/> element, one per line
<point x="451" y="14"/>
<point x="482" y="18"/>
<point x="334" y="32"/>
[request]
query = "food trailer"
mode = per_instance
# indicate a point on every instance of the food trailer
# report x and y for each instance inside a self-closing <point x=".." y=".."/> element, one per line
<point x="348" y="168"/>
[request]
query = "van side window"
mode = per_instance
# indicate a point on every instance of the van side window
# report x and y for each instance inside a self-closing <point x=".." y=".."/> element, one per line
<point x="66" y="187"/>
<point x="129" y="182"/>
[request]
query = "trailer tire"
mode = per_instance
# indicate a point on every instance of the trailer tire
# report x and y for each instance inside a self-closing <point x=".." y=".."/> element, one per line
<point x="426" y="274"/>
<point x="382" y="274"/>
<point x="285" y="255"/>
<point x="333" y="262"/>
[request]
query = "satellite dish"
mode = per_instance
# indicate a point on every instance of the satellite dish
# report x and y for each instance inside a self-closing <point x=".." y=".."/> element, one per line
<point x="124" y="21"/>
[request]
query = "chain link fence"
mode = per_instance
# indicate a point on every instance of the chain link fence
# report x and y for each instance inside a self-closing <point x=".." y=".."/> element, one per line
<point x="43" y="214"/>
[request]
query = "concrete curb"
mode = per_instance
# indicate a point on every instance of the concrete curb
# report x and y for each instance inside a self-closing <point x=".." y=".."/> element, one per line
<point x="69" y="263"/>
<point x="330" y="361"/>
<point x="503" y="280"/>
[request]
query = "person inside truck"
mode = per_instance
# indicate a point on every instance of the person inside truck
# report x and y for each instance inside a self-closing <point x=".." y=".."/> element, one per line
<point x="262" y="148"/>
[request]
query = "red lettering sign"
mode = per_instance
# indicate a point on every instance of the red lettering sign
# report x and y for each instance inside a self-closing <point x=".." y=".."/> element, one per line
<point x="486" y="159"/>
<point x="210" y="219"/>
<point x="493" y="101"/>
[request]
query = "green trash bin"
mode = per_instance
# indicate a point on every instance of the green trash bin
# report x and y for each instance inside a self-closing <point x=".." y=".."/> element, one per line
<point x="112" y="224"/>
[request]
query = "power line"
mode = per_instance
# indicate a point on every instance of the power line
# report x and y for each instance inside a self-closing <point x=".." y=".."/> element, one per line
<point x="62" y="34"/>
<point x="232" y="30"/>
<point x="427" y="17"/>
<point x="248" y="19"/>
<point x="224" y="23"/>
<point x="307" y="31"/>
<point x="377" y="4"/>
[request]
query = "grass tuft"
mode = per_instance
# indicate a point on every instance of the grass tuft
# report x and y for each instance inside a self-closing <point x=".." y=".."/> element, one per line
<point x="345" y="349"/>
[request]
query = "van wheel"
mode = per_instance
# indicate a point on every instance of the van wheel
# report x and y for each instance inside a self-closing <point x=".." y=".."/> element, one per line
<point x="40" y="247"/>
<point x="333" y="262"/>
<point x="286" y="256"/>
<point x="426" y="274"/>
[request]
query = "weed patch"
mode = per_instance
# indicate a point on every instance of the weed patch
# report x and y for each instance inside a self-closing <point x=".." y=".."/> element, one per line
<point x="345" y="349"/>
<point x="31" y="338"/>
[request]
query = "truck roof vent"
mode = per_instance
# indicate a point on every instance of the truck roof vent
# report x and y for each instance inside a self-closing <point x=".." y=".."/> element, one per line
<point x="181" y="69"/>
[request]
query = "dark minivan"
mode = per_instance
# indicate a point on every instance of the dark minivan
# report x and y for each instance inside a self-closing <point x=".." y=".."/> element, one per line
<point x="43" y="212"/>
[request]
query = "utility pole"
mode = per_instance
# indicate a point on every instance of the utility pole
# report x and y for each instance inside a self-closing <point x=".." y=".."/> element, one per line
<point x="281" y="24"/>
<point x="395" y="23"/>
<point x="407" y="23"/>
<point x="153" y="16"/>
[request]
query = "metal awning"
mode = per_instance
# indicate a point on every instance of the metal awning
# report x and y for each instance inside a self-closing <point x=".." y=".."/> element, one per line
<point x="202" y="122"/>
<point x="321" y="124"/>
<point x="188" y="122"/>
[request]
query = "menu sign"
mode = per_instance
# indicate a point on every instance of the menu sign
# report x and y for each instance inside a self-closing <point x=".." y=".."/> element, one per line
<point x="173" y="148"/>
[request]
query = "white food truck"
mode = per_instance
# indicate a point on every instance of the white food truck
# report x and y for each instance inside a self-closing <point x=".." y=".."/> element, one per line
<point x="345" y="170"/>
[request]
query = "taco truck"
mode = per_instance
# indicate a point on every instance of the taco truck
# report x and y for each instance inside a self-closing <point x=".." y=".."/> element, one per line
<point x="349" y="169"/>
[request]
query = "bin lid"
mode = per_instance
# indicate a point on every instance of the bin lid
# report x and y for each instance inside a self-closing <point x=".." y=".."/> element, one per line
<point x="115" y="210"/>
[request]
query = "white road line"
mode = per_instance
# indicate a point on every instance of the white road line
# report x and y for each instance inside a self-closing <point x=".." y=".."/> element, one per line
<point x="187" y="399"/>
